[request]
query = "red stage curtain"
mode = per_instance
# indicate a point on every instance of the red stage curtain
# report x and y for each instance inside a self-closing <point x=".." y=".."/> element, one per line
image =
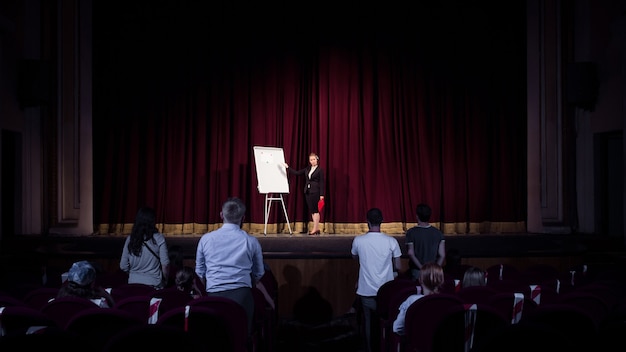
<point x="397" y="119"/>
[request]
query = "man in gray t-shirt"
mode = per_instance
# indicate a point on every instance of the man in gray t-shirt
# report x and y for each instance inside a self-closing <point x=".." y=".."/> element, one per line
<point x="424" y="242"/>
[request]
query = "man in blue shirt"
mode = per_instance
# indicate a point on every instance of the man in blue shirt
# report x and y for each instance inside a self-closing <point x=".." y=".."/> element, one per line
<point x="229" y="260"/>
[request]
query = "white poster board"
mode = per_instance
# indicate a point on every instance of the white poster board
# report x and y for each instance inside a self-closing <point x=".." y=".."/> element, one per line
<point x="270" y="170"/>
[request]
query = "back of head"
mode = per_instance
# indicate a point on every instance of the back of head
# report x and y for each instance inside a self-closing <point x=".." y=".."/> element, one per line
<point x="184" y="278"/>
<point x="423" y="212"/>
<point x="146" y="218"/>
<point x="143" y="229"/>
<point x="431" y="276"/>
<point x="233" y="210"/>
<point x="473" y="276"/>
<point x="82" y="273"/>
<point x="374" y="217"/>
<point x="80" y="278"/>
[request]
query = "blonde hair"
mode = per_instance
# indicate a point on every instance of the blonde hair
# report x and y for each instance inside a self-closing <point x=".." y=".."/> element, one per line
<point x="431" y="276"/>
<point x="474" y="276"/>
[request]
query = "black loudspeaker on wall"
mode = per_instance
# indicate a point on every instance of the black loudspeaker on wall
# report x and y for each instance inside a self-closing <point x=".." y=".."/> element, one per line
<point x="582" y="84"/>
<point x="33" y="85"/>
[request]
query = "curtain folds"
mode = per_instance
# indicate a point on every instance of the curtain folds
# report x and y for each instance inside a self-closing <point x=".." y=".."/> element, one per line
<point x="395" y="123"/>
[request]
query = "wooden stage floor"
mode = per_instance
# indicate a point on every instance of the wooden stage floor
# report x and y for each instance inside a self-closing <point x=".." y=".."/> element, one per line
<point x="326" y="245"/>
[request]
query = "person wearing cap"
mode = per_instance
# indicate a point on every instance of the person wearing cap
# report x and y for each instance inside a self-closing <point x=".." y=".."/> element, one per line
<point x="80" y="282"/>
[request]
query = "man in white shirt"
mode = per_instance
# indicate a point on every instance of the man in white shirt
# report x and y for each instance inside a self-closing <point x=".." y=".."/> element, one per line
<point x="379" y="256"/>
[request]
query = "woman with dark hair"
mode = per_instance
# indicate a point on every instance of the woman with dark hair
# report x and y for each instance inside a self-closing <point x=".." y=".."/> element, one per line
<point x="145" y="255"/>
<point x="313" y="188"/>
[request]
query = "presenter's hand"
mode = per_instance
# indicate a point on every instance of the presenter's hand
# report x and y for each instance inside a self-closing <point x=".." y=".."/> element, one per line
<point x="286" y="165"/>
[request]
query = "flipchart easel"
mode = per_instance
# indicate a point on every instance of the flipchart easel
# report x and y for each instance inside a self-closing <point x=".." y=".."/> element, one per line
<point x="272" y="180"/>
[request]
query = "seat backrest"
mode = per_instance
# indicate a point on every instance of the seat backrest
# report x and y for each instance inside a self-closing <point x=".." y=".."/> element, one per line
<point x="450" y="284"/>
<point x="234" y="314"/>
<point x="171" y="297"/>
<point x="502" y="272"/>
<point x="38" y="297"/>
<point x="221" y="328"/>
<point x="62" y="309"/>
<point x="611" y="291"/>
<point x="476" y="294"/>
<point x="463" y="328"/>
<point x="139" y="306"/>
<point x="388" y="339"/>
<point x="49" y="339"/>
<point x="591" y="302"/>
<point x="7" y="301"/>
<point x="546" y="292"/>
<point x="510" y="286"/>
<point x="574" y="323"/>
<point x="126" y="290"/>
<point x="112" y="279"/>
<point x="504" y="303"/>
<point x="98" y="325"/>
<point x="524" y="337"/>
<point x="423" y="316"/>
<point x="386" y="291"/>
<point x="538" y="273"/>
<point x="152" y="337"/>
<point x="18" y="319"/>
<point x="213" y="301"/>
<point x="396" y="300"/>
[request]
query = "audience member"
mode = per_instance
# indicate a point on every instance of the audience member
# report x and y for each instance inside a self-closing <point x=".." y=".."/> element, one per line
<point x="425" y="243"/>
<point x="186" y="281"/>
<point x="80" y="282"/>
<point x="145" y="254"/>
<point x="229" y="260"/>
<point x="431" y="279"/>
<point x="379" y="257"/>
<point x="474" y="276"/>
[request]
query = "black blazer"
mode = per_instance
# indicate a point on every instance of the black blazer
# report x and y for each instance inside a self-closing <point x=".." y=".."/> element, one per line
<point x="313" y="184"/>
